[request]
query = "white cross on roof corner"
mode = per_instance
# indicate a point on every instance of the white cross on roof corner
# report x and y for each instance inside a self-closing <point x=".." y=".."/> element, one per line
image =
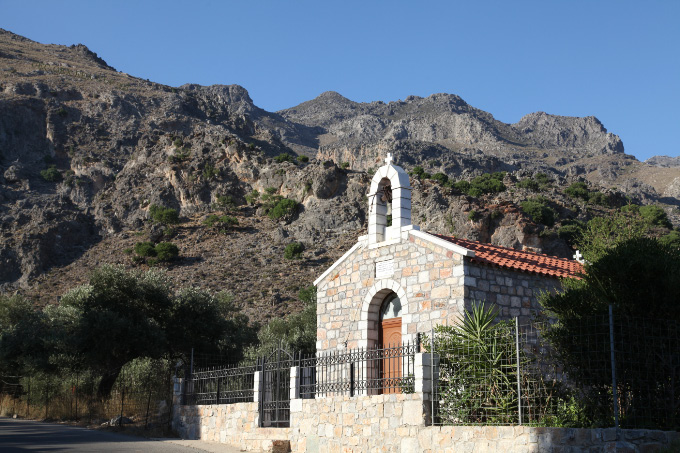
<point x="578" y="257"/>
<point x="388" y="159"/>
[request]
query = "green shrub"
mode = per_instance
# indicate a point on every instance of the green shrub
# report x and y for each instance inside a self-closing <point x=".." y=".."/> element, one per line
<point x="344" y="165"/>
<point x="270" y="190"/>
<point x="672" y="239"/>
<point x="486" y="183"/>
<point x="598" y="198"/>
<point x="631" y="209"/>
<point x="283" y="208"/>
<point x="441" y="178"/>
<point x="210" y="172"/>
<point x="543" y="179"/>
<point x="578" y="190"/>
<point x="180" y="155"/>
<point x="62" y="112"/>
<point x="166" y="251"/>
<point x="303" y="159"/>
<point x="462" y="186"/>
<point x="293" y="251"/>
<point x="284" y="157"/>
<point x="473" y="215"/>
<point x="473" y="357"/>
<point x="220" y="221"/>
<point x="420" y="173"/>
<point x="654" y="215"/>
<point x="570" y="232"/>
<point x="127" y="251"/>
<point x="178" y="142"/>
<point x="251" y="146"/>
<point x="539" y="211"/>
<point x="496" y="214"/>
<point x="145" y="249"/>
<point x="51" y="174"/>
<point x="225" y="202"/>
<point x="528" y="184"/>
<point x="252" y="197"/>
<point x="161" y="214"/>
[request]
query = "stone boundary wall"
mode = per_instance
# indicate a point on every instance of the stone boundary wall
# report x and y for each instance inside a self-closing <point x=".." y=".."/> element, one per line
<point x="394" y="423"/>
<point x="234" y="424"/>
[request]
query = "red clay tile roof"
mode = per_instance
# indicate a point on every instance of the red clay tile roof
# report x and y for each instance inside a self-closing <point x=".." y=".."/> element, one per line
<point x="518" y="259"/>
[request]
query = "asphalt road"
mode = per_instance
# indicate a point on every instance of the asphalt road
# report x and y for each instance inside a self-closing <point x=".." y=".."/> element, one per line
<point x="30" y="436"/>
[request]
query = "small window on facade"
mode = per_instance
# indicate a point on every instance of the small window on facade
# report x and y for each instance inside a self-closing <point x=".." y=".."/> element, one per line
<point x="391" y="307"/>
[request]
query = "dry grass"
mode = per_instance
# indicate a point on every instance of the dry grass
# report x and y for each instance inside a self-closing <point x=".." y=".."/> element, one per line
<point x="149" y="418"/>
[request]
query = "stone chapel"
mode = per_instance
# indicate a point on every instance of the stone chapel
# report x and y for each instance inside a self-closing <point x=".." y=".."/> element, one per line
<point x="398" y="281"/>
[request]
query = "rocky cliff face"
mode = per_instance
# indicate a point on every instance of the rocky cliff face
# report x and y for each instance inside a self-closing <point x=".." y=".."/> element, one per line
<point x="664" y="161"/>
<point x="120" y="144"/>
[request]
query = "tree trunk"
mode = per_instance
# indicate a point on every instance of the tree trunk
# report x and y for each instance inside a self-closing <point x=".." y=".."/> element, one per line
<point x="107" y="382"/>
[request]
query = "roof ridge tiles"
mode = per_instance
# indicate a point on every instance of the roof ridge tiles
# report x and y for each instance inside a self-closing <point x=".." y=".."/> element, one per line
<point x="522" y="260"/>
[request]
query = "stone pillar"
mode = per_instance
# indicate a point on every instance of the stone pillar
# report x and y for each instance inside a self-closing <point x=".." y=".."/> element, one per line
<point x="258" y="386"/>
<point x="401" y="207"/>
<point x="426" y="373"/>
<point x="295" y="383"/>
<point x="177" y="391"/>
<point x="377" y="219"/>
<point x="177" y="401"/>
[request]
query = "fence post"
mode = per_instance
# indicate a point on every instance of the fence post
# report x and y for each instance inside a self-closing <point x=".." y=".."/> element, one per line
<point x="351" y="379"/>
<point x="258" y="385"/>
<point x="148" y="404"/>
<point x="28" y="400"/>
<point x="217" y="391"/>
<point x="295" y="382"/>
<point x="614" y="392"/>
<point x="76" y="391"/>
<point x="519" y="377"/>
<point x="434" y="384"/>
<point x="122" y="401"/>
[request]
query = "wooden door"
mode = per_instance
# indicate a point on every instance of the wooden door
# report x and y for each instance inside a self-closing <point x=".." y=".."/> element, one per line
<point x="391" y="366"/>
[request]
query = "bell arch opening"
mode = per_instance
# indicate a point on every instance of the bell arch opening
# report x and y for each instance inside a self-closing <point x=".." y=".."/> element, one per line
<point x="389" y="203"/>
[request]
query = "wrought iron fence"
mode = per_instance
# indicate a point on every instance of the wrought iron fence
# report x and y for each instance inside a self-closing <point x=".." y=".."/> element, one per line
<point x="221" y="385"/>
<point x="275" y="398"/>
<point x="359" y="372"/>
<point x="601" y="371"/>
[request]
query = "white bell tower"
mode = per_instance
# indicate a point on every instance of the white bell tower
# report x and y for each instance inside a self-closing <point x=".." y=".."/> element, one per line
<point x="390" y="185"/>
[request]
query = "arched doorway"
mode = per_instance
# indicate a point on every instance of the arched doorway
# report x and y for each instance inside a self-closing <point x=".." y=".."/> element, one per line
<point x="390" y="321"/>
<point x="390" y="340"/>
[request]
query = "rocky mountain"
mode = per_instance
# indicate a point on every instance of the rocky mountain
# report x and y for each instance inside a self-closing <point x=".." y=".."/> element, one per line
<point x="664" y="161"/>
<point x="85" y="151"/>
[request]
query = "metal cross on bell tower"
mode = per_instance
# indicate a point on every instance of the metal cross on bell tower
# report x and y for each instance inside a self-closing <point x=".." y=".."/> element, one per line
<point x="388" y="159"/>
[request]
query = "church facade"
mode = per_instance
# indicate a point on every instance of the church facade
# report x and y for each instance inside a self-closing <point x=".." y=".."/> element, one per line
<point x="398" y="281"/>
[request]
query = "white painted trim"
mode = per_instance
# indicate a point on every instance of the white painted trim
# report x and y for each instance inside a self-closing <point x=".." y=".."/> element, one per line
<point x="340" y="260"/>
<point x="383" y="284"/>
<point x="442" y="243"/>
<point x="384" y="243"/>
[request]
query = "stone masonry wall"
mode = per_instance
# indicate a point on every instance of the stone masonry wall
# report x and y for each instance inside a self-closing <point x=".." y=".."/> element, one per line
<point x="234" y="424"/>
<point x="429" y="276"/>
<point x="515" y="293"/>
<point x="435" y="284"/>
<point x="395" y="423"/>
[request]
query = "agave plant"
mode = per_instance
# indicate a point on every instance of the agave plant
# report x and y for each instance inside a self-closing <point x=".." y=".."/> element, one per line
<point x="477" y="369"/>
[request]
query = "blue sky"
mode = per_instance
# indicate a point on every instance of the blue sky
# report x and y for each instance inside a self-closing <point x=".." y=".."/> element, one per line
<point x="616" y="60"/>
